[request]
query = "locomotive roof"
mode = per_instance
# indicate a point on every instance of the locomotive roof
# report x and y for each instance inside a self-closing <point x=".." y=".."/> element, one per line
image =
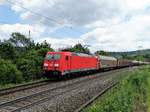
<point x="82" y="54"/>
<point x="107" y="57"/>
<point x="74" y="53"/>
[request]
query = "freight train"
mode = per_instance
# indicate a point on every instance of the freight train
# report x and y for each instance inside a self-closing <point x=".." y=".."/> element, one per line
<point x="57" y="64"/>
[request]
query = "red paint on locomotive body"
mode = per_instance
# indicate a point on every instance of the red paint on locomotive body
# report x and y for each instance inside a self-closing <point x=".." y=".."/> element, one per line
<point x="60" y="63"/>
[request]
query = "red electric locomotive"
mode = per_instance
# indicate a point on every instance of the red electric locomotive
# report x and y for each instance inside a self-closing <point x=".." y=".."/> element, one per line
<point x="61" y="63"/>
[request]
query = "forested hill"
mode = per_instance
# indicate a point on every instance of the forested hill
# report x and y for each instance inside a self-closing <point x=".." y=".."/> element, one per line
<point x="143" y="55"/>
<point x="132" y="53"/>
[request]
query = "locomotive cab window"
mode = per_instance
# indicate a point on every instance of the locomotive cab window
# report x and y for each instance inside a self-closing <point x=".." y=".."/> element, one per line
<point x="57" y="56"/>
<point x="53" y="56"/>
<point x="49" y="57"/>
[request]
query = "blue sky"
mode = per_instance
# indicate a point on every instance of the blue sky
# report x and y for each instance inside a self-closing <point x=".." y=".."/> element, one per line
<point x="104" y="25"/>
<point x="8" y="16"/>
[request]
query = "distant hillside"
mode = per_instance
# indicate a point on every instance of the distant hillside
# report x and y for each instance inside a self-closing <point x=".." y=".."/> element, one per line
<point x="131" y="53"/>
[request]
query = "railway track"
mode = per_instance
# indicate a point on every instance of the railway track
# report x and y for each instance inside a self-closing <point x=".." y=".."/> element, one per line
<point x="25" y="102"/>
<point x="23" y="87"/>
<point x="28" y="86"/>
<point x="95" y="97"/>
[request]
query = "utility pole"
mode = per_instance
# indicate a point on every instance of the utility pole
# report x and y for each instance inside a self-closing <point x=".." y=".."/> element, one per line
<point x="29" y="33"/>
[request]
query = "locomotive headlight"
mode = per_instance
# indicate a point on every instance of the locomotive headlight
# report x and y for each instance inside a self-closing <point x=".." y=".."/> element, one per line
<point x="45" y="64"/>
<point x="56" y="65"/>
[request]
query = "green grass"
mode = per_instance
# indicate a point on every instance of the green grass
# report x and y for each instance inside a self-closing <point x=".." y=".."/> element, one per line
<point x="132" y="94"/>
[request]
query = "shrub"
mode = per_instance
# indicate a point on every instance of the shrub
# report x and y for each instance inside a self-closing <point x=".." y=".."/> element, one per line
<point x="9" y="72"/>
<point x="30" y="64"/>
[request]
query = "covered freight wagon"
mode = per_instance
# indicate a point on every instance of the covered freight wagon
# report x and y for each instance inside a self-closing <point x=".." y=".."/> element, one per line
<point x="107" y="62"/>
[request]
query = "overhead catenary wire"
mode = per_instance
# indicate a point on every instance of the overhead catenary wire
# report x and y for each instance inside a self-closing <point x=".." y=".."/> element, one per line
<point x="41" y="15"/>
<point x="35" y="13"/>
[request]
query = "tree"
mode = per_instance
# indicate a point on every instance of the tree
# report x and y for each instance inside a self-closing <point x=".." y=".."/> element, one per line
<point x="102" y="53"/>
<point x="42" y="51"/>
<point x="30" y="65"/>
<point x="19" y="40"/>
<point x="147" y="57"/>
<point x="78" y="48"/>
<point x="9" y="72"/>
<point x="7" y="51"/>
<point x="139" y="57"/>
<point x="124" y="56"/>
<point x="45" y="44"/>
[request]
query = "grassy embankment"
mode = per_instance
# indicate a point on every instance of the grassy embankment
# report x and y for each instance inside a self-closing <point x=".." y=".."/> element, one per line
<point x="132" y="94"/>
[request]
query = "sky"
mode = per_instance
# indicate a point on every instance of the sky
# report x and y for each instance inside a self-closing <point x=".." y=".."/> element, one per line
<point x="110" y="25"/>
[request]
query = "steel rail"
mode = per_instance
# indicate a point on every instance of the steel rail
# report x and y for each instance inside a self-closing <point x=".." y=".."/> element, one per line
<point x="96" y="96"/>
<point x="10" y="90"/>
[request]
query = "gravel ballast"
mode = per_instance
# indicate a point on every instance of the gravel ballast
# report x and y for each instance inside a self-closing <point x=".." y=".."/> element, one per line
<point x="70" y="101"/>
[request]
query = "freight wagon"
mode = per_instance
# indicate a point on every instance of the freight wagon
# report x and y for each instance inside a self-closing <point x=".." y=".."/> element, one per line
<point x="107" y="62"/>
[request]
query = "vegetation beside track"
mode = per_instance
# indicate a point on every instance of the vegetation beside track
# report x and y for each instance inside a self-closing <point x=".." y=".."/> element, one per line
<point x="21" y="60"/>
<point x="132" y="94"/>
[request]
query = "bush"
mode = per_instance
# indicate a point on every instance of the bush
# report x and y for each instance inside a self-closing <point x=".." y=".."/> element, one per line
<point x="7" y="51"/>
<point x="9" y="72"/>
<point x="42" y="52"/>
<point x="30" y="65"/>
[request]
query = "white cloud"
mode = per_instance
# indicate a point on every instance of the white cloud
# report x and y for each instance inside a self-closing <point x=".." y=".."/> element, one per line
<point x="124" y="36"/>
<point x="7" y="29"/>
<point x="115" y="24"/>
<point x="59" y="43"/>
<point x="76" y="13"/>
<point x="137" y="4"/>
<point x="2" y="2"/>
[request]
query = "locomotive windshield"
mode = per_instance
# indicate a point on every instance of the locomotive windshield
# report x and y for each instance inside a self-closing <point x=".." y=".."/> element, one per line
<point x="52" y="56"/>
